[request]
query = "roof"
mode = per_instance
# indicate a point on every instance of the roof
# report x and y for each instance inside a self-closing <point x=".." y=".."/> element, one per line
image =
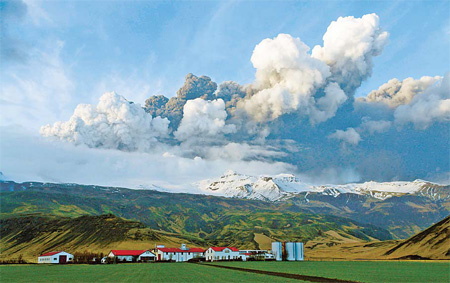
<point x="178" y="250"/>
<point x="128" y="252"/>
<point x="219" y="249"/>
<point x="50" y="253"/>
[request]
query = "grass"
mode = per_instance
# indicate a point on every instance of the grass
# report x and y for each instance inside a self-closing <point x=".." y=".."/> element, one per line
<point x="363" y="271"/>
<point x="151" y="272"/>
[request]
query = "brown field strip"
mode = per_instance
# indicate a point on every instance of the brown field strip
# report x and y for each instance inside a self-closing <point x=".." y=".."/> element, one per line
<point x="285" y="275"/>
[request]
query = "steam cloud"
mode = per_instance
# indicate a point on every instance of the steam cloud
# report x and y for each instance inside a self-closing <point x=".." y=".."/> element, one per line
<point x="113" y="123"/>
<point x="203" y="119"/>
<point x="348" y="47"/>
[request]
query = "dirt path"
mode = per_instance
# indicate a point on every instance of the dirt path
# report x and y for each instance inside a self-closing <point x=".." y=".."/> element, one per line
<point x="286" y="275"/>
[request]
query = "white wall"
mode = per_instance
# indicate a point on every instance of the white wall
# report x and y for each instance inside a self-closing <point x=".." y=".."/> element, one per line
<point x="178" y="256"/>
<point x="54" y="258"/>
<point x="226" y="254"/>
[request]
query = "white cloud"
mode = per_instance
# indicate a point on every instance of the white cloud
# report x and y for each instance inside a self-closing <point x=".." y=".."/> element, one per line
<point x="327" y="105"/>
<point x="348" y="47"/>
<point x="204" y="119"/>
<point x="432" y="105"/>
<point x="349" y="136"/>
<point x="114" y="123"/>
<point x="32" y="158"/>
<point x="379" y="126"/>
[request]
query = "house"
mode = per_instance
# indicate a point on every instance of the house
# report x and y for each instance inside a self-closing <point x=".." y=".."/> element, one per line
<point x="222" y="253"/>
<point x="132" y="255"/>
<point x="55" y="257"/>
<point x="178" y="254"/>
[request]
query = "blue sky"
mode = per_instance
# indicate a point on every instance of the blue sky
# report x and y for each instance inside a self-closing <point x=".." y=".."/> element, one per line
<point x="66" y="53"/>
<point x="143" y="48"/>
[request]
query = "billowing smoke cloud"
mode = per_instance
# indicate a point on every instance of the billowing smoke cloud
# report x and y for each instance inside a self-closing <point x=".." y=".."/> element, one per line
<point x="349" y="136"/>
<point x="395" y="92"/>
<point x="114" y="123"/>
<point x="197" y="87"/>
<point x="293" y="114"/>
<point x="203" y="119"/>
<point x="286" y="76"/>
<point x="348" y="47"/>
<point x="231" y="93"/>
<point x="194" y="87"/>
<point x="432" y="105"/>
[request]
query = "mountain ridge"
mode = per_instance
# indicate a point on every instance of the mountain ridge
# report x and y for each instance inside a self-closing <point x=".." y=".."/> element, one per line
<point x="284" y="186"/>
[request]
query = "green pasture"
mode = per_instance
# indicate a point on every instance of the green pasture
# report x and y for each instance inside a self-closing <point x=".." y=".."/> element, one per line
<point x="363" y="271"/>
<point x="130" y="272"/>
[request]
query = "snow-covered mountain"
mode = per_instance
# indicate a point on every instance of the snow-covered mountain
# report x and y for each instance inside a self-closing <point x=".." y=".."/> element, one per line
<point x="285" y="186"/>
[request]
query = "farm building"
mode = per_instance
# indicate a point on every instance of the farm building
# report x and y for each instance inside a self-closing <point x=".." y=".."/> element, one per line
<point x="132" y="255"/>
<point x="255" y="255"/>
<point x="178" y="254"/>
<point x="222" y="253"/>
<point x="55" y="257"/>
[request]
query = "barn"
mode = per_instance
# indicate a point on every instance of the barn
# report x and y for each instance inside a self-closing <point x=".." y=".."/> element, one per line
<point x="132" y="255"/>
<point x="55" y="257"/>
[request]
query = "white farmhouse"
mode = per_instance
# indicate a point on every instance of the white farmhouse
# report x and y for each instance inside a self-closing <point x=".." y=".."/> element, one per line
<point x="55" y="257"/>
<point x="221" y="253"/>
<point x="130" y="255"/>
<point x="182" y="254"/>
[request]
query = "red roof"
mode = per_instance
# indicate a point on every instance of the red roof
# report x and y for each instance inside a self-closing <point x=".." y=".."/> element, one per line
<point x="50" y="253"/>
<point x="178" y="250"/>
<point x="219" y="249"/>
<point x="128" y="252"/>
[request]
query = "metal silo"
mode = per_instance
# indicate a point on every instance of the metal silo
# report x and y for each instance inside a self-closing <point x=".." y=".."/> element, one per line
<point x="277" y="250"/>
<point x="298" y="251"/>
<point x="290" y="251"/>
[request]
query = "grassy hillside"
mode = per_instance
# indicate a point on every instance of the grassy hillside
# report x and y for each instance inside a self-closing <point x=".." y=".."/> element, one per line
<point x="31" y="235"/>
<point x="403" y="215"/>
<point x="202" y="215"/>
<point x="432" y="243"/>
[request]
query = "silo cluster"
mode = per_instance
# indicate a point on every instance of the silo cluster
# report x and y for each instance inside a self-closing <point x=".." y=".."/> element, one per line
<point x="290" y="251"/>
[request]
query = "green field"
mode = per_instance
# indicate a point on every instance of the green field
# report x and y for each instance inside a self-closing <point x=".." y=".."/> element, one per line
<point x="132" y="272"/>
<point x="363" y="271"/>
<point x="367" y="271"/>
